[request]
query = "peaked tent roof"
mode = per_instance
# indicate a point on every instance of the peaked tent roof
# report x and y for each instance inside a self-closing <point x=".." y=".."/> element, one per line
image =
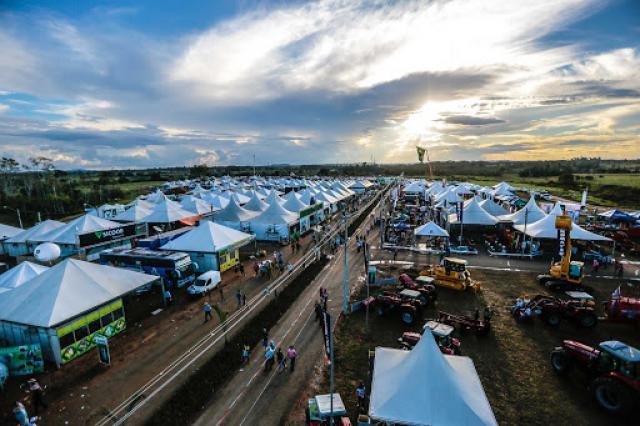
<point x="35" y="231"/>
<point x="493" y="208"/>
<point x="425" y="387"/>
<point x="68" y="289"/>
<point x="414" y="188"/>
<point x="546" y="228"/>
<point x="20" y="274"/>
<point x="216" y="200"/>
<point x="256" y="204"/>
<point x="167" y="212"/>
<point x="430" y="229"/>
<point x="275" y="214"/>
<point x="294" y="204"/>
<point x="473" y="214"/>
<point x="234" y="213"/>
<point x="135" y="213"/>
<point x="531" y="211"/>
<point x="273" y="197"/>
<point x="84" y="224"/>
<point x="208" y="237"/>
<point x="7" y="231"/>
<point x="196" y="205"/>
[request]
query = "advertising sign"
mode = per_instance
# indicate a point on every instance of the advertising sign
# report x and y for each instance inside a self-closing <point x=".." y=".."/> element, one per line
<point x="102" y="343"/>
<point x="82" y="346"/>
<point x="23" y="360"/>
<point x="124" y="231"/>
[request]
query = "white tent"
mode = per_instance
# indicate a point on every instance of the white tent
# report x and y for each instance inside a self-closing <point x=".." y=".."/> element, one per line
<point x="196" y="205"/>
<point x="473" y="214"/>
<point x="240" y="198"/>
<point x="430" y="229"/>
<point x="294" y="204"/>
<point x="235" y="216"/>
<point x="166" y="212"/>
<point x="546" y="228"/>
<point x="208" y="237"/>
<point x="68" y="233"/>
<point x="256" y="204"/>
<point x="20" y="274"/>
<point x="66" y="290"/>
<point x="158" y="197"/>
<point x="7" y="231"/>
<point x="493" y="208"/>
<point x="273" y="223"/>
<point x="135" y="213"/>
<point x="35" y="231"/>
<point x="425" y="387"/>
<point x="218" y="201"/>
<point x="530" y="213"/>
<point x="414" y="188"/>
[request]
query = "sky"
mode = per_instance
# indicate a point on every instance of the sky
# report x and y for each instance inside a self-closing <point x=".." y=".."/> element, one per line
<point x="137" y="84"/>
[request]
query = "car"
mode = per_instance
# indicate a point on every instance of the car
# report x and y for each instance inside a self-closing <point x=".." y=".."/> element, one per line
<point x="205" y="283"/>
<point x="462" y="250"/>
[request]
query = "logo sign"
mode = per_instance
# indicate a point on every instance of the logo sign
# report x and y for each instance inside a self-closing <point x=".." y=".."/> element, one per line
<point x="561" y="241"/>
<point x="97" y="237"/>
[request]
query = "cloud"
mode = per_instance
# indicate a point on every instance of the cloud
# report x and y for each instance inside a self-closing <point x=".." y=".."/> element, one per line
<point x="467" y="120"/>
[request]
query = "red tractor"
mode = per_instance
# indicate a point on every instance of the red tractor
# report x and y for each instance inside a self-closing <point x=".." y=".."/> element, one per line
<point x="613" y="370"/>
<point x="422" y="284"/>
<point x="622" y="308"/>
<point x="441" y="332"/>
<point x="553" y="310"/>
<point x="408" y="302"/>
<point x="465" y="323"/>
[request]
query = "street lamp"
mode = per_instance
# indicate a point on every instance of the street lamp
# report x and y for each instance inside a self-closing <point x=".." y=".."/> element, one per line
<point x="17" y="212"/>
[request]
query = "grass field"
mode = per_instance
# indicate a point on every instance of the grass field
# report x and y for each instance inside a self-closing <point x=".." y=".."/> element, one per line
<point x="512" y="362"/>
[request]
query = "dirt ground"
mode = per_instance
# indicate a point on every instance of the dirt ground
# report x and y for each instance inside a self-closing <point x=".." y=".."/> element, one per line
<point x="512" y="362"/>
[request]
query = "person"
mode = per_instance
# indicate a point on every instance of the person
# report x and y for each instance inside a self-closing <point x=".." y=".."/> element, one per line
<point x="265" y="337"/>
<point x="20" y="414"/>
<point x="268" y="355"/>
<point x="245" y="354"/>
<point x="242" y="269"/>
<point x="239" y="298"/>
<point x="395" y="254"/>
<point x="487" y="313"/>
<point x="596" y="265"/>
<point x="256" y="268"/>
<point x="168" y="297"/>
<point x="282" y="363"/>
<point x="318" y="310"/>
<point x="289" y="267"/>
<point x="207" y="311"/>
<point x="236" y="269"/>
<point x="244" y="299"/>
<point x="37" y="395"/>
<point x="292" y="354"/>
<point x="360" y="394"/>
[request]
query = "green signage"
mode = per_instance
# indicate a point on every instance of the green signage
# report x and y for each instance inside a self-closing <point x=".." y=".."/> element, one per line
<point x="310" y="210"/>
<point x="23" y="360"/>
<point x="82" y="346"/>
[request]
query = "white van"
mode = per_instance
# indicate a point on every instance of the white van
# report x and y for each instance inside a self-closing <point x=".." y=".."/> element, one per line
<point x="204" y="283"/>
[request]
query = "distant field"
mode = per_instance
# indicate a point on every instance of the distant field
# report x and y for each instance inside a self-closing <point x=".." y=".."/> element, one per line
<point x="131" y="189"/>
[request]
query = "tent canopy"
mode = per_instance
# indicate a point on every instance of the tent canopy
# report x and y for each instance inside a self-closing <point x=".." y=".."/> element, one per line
<point x="196" y="205"/>
<point x="66" y="290"/>
<point x="493" y="208"/>
<point x="473" y="214"/>
<point x="7" y="231"/>
<point x="617" y="216"/>
<point x="430" y="229"/>
<point x="425" y="387"/>
<point x="530" y="213"/>
<point x="546" y="229"/>
<point x="275" y="214"/>
<point x="35" y="231"/>
<point x="256" y="204"/>
<point x="234" y="213"/>
<point x="136" y="213"/>
<point x="68" y="233"/>
<point x="294" y="204"/>
<point x="20" y="274"/>
<point x="208" y="237"/>
<point x="167" y="212"/>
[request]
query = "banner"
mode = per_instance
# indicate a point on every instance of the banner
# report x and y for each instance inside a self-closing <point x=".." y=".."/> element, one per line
<point x="326" y="331"/>
<point x="98" y="237"/>
<point x="23" y="360"/>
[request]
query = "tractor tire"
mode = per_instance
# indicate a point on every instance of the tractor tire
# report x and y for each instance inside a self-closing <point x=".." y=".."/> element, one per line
<point x="408" y="316"/>
<point x="542" y="279"/>
<point x="424" y="299"/>
<point x="560" y="362"/>
<point x="553" y="319"/>
<point x="612" y="395"/>
<point x="588" y="320"/>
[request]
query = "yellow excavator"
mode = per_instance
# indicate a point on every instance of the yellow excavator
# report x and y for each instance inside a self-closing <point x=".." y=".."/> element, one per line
<point x="452" y="274"/>
<point x="565" y="274"/>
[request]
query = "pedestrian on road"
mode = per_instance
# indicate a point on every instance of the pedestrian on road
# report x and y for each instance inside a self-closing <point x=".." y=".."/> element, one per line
<point x="207" y="311"/>
<point x="256" y="268"/>
<point x="268" y="355"/>
<point x="242" y="269"/>
<point x="245" y="354"/>
<point x="20" y="414"/>
<point x="360" y="394"/>
<point x="167" y="297"/>
<point x="239" y="298"/>
<point x="37" y="395"/>
<point x="395" y="254"/>
<point x="282" y="361"/>
<point x="244" y="299"/>
<point x="265" y="337"/>
<point x="292" y="355"/>
<point x="236" y="269"/>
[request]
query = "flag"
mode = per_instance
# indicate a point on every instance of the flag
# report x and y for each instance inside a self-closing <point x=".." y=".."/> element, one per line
<point x="421" y="151"/>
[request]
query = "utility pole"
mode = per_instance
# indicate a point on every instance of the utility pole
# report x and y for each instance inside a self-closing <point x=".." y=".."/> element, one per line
<point x="18" y="213"/>
<point x="331" y="382"/>
<point x="524" y="235"/>
<point x="345" y="301"/>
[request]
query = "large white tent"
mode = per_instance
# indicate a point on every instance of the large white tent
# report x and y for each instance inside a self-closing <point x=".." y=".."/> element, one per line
<point x="210" y="245"/>
<point x="7" y="231"/>
<point x="430" y="229"/>
<point x="546" y="228"/>
<point x="196" y="205"/>
<point x="530" y="213"/>
<point x="234" y="216"/>
<point x="294" y="204"/>
<point x="135" y="213"/>
<point x="256" y="204"/>
<point x="473" y="214"/>
<point x="493" y="208"/>
<point x="425" y="387"/>
<point x="274" y="223"/>
<point x="167" y="212"/>
<point x="20" y="274"/>
<point x="19" y="245"/>
<point x="68" y="234"/>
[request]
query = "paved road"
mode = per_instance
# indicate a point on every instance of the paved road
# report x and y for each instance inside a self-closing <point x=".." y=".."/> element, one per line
<point x="254" y="397"/>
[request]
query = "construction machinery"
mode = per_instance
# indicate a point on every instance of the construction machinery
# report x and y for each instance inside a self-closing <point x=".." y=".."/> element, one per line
<point x="409" y="303"/>
<point x="613" y="370"/>
<point x="447" y="344"/>
<point x="451" y="273"/>
<point x="622" y="308"/>
<point x="564" y="274"/>
<point x="423" y="284"/>
<point x="464" y="324"/>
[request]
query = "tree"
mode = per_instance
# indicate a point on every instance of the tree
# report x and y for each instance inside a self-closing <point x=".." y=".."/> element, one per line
<point x="198" y="170"/>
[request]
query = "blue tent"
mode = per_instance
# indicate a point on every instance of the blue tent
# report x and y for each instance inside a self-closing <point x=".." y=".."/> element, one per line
<point x="617" y="216"/>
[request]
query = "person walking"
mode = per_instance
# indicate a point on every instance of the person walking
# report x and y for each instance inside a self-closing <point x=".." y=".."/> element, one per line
<point x="360" y="394"/>
<point x="242" y="269"/>
<point x="37" y="395"/>
<point x="245" y="354"/>
<point x="244" y="299"/>
<point x="292" y="354"/>
<point x="168" y="297"/>
<point x="265" y="337"/>
<point x="282" y="361"/>
<point x="395" y="254"/>
<point x="20" y="414"/>
<point x="207" y="311"/>
<point x="239" y="298"/>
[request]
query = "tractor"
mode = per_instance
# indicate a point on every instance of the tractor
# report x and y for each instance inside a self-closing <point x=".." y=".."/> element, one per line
<point x="465" y="323"/>
<point x="625" y="309"/>
<point x="553" y="310"/>
<point x="422" y="284"/>
<point x="613" y="369"/>
<point x="408" y="302"/>
<point x="564" y="274"/>
<point x="452" y="273"/>
<point x="441" y="332"/>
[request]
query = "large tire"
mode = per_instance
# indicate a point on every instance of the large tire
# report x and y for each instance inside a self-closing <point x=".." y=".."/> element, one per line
<point x="612" y="395"/>
<point x="560" y="362"/>
<point x="408" y="316"/>
<point x="588" y="320"/>
<point x="542" y="279"/>
<point x="553" y="319"/>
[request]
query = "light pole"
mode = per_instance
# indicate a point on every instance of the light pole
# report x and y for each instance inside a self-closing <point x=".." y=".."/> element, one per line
<point x="17" y="212"/>
<point x="524" y="236"/>
<point x="345" y="301"/>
